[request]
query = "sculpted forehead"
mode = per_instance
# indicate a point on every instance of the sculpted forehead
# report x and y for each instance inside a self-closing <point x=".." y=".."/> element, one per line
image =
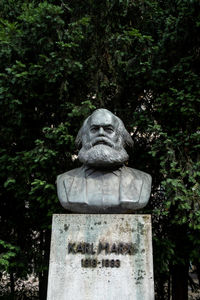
<point x="102" y="118"/>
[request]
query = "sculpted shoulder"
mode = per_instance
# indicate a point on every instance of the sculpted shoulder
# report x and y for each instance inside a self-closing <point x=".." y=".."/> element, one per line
<point x="139" y="187"/>
<point x="64" y="183"/>
<point x="71" y="173"/>
<point x="140" y="175"/>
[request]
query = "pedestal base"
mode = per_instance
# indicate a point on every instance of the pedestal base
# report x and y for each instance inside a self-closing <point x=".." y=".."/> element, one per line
<point x="101" y="257"/>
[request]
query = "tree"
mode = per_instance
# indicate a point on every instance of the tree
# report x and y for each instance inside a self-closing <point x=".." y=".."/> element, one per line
<point x="60" y="60"/>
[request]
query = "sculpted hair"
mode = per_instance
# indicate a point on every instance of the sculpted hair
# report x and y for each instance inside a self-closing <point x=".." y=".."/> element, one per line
<point x="121" y="130"/>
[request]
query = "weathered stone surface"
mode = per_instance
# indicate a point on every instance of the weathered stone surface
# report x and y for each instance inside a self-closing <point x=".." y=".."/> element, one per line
<point x="105" y="241"/>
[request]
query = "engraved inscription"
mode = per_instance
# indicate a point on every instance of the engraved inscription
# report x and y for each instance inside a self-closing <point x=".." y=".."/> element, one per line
<point x="102" y="248"/>
<point x="83" y="248"/>
<point x="104" y="263"/>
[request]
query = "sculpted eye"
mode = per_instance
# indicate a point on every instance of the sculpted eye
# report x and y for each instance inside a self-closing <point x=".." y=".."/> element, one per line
<point x="108" y="129"/>
<point x="93" y="129"/>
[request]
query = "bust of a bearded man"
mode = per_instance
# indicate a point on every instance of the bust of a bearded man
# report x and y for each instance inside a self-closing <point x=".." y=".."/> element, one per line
<point x="103" y="184"/>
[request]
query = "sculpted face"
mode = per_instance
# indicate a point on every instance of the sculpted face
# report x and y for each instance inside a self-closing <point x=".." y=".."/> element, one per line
<point x="102" y="142"/>
<point x="102" y="129"/>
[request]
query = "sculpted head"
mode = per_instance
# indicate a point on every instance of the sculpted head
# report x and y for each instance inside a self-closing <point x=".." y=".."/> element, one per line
<point x="102" y="140"/>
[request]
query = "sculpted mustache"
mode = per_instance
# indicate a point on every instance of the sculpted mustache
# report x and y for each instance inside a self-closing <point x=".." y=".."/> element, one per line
<point x="102" y="140"/>
<point x="99" y="140"/>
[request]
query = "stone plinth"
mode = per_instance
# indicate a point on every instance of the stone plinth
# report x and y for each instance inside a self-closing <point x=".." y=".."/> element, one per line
<point x="101" y="257"/>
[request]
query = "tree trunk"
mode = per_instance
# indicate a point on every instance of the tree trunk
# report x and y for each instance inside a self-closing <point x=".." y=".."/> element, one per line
<point x="169" y="288"/>
<point x="45" y="237"/>
<point x="180" y="282"/>
<point x="12" y="285"/>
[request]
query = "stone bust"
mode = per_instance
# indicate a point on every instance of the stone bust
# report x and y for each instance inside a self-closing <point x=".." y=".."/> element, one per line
<point x="103" y="184"/>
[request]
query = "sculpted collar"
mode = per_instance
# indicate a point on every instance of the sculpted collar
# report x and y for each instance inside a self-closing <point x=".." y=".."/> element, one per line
<point x="89" y="171"/>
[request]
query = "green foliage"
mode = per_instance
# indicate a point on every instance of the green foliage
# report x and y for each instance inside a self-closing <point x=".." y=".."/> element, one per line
<point x="7" y="254"/>
<point x="59" y="61"/>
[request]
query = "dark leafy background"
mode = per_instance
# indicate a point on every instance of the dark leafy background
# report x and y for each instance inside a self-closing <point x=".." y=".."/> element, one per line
<point x="59" y="61"/>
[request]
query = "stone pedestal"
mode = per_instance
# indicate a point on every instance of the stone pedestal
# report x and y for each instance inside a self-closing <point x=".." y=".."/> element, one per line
<point x="101" y="257"/>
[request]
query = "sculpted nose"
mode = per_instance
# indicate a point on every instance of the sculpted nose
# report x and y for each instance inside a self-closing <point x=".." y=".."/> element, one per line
<point x="101" y="131"/>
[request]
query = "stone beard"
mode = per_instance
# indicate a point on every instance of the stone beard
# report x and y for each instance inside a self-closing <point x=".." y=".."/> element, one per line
<point x="102" y="155"/>
<point x="103" y="184"/>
